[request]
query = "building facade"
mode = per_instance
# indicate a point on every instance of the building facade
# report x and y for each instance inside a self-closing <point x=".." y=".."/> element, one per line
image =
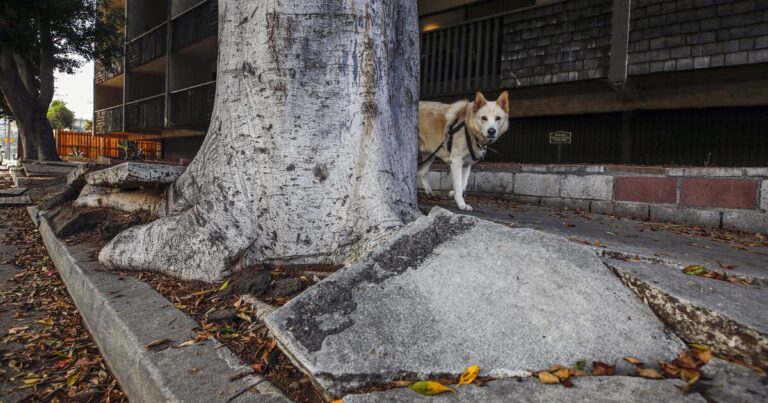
<point x="640" y="81"/>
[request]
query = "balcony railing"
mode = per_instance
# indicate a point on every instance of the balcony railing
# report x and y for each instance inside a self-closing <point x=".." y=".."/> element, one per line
<point x="104" y="73"/>
<point x="192" y="105"/>
<point x="109" y="120"/>
<point x="147" y="47"/>
<point x="145" y="114"/>
<point x="462" y="59"/>
<point x="195" y="24"/>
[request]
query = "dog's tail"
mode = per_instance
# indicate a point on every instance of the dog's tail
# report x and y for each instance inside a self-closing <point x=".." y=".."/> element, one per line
<point x="457" y="109"/>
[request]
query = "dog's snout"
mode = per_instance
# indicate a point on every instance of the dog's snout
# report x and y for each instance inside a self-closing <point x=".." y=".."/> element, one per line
<point x="491" y="132"/>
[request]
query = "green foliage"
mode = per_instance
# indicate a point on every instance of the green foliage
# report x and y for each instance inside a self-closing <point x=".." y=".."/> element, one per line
<point x="60" y="116"/>
<point x="80" y="30"/>
<point x="88" y="125"/>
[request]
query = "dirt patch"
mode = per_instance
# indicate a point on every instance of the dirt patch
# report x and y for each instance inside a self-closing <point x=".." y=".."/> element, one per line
<point x="93" y="225"/>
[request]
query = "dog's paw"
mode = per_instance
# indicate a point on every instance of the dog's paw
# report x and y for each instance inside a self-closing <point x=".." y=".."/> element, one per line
<point x="465" y="207"/>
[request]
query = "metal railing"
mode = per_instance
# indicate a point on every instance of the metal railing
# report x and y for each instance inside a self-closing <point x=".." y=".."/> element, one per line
<point x="463" y="58"/>
<point x="145" y="114"/>
<point x="195" y="24"/>
<point x="104" y="73"/>
<point x="193" y="104"/>
<point x="109" y="120"/>
<point x="147" y="46"/>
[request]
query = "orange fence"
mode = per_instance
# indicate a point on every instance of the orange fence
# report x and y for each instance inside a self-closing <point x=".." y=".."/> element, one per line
<point x="86" y="145"/>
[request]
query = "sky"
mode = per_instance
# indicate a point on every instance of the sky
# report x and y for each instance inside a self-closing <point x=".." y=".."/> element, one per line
<point x="77" y="90"/>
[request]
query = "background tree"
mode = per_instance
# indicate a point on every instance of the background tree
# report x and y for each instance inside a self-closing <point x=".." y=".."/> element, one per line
<point x="88" y="125"/>
<point x="38" y="37"/>
<point x="60" y="116"/>
<point x="310" y="157"/>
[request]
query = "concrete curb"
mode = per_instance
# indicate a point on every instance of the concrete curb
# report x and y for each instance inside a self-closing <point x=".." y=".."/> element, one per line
<point x="123" y="315"/>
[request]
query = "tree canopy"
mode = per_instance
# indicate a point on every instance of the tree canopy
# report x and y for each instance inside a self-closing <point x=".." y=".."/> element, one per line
<point x="60" y="116"/>
<point x="39" y="37"/>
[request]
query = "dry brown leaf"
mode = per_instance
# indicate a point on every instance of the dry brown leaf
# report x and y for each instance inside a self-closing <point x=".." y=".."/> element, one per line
<point x="670" y="370"/>
<point x="563" y="374"/>
<point x="685" y="360"/>
<point x="554" y="368"/>
<point x="157" y="342"/>
<point x="690" y="375"/>
<point x="548" y="379"/>
<point x="703" y="355"/>
<point x="649" y="373"/>
<point x="602" y="369"/>
<point x="633" y="360"/>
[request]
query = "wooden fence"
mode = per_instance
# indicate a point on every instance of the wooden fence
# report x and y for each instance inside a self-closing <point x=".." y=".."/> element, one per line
<point x="86" y="145"/>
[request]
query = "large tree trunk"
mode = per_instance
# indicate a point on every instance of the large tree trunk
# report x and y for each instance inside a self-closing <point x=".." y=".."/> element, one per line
<point x="310" y="155"/>
<point x="36" y="133"/>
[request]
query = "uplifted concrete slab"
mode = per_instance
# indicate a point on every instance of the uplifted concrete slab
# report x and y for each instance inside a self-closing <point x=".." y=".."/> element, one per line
<point x="15" y="201"/>
<point x="731" y="318"/>
<point x="133" y="175"/>
<point x="726" y="382"/>
<point x="589" y="389"/>
<point x="12" y="191"/>
<point x="48" y="168"/>
<point x="450" y="291"/>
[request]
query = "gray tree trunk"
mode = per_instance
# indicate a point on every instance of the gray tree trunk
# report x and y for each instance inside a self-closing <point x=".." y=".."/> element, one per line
<point x="310" y="157"/>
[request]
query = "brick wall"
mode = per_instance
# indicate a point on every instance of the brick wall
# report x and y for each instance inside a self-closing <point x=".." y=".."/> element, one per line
<point x="556" y="43"/>
<point x="678" y="35"/>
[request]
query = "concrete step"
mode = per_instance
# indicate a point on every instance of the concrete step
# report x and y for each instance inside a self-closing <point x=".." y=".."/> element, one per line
<point x="730" y="318"/>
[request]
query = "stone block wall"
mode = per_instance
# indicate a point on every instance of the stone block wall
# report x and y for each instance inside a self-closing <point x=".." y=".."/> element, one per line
<point x="730" y="198"/>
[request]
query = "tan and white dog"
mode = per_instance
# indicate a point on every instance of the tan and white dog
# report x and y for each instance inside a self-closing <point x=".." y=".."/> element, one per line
<point x="459" y="134"/>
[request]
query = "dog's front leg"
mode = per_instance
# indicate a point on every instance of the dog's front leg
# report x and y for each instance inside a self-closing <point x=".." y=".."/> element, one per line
<point x="457" y="178"/>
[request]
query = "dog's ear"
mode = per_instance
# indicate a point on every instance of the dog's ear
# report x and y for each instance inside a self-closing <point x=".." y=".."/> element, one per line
<point x="503" y="102"/>
<point x="480" y="101"/>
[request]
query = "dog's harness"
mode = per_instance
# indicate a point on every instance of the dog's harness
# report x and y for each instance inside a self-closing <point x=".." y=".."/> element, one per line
<point x="448" y="142"/>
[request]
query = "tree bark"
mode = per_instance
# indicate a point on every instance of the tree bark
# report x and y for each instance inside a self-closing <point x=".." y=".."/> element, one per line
<point x="36" y="131"/>
<point x="310" y="154"/>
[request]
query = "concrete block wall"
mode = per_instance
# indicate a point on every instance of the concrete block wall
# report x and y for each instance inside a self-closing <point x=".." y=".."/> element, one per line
<point x="730" y="198"/>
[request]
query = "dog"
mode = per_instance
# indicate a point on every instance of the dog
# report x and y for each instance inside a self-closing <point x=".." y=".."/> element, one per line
<point x="459" y="134"/>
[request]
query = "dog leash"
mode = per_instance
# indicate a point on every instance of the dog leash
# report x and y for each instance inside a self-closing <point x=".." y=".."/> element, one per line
<point x="452" y="129"/>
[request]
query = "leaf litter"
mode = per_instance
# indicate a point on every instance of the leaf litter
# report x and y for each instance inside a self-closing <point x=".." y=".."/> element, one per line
<point x="49" y="355"/>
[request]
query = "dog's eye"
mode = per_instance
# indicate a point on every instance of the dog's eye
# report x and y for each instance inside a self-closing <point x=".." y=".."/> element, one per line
<point x="485" y="117"/>
<point x="498" y="118"/>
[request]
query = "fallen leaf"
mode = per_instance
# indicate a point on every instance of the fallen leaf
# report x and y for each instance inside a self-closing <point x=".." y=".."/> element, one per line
<point x="563" y="374"/>
<point x="633" y="360"/>
<point x="602" y="369"/>
<point x="244" y="317"/>
<point x="670" y="370"/>
<point x="224" y="286"/>
<point x="649" y="373"/>
<point x="703" y="355"/>
<point x="73" y="379"/>
<point x="554" y="368"/>
<point x="429" y="388"/>
<point x="685" y="360"/>
<point x="547" y="379"/>
<point x="187" y="343"/>
<point x="158" y="342"/>
<point x="469" y="375"/>
<point x="580" y="365"/>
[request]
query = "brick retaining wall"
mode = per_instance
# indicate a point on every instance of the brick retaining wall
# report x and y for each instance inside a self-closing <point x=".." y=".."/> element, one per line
<point x="730" y="198"/>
